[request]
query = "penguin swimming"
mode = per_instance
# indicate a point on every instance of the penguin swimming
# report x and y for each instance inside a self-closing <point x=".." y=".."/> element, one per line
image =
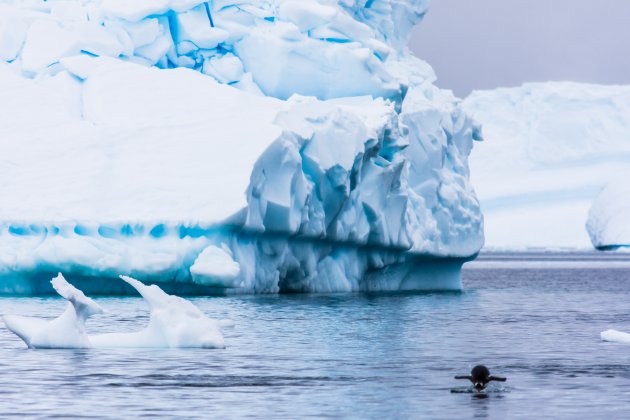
<point x="480" y="377"/>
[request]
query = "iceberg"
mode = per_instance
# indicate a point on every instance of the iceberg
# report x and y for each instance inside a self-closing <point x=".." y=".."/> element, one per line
<point x="174" y="323"/>
<point x="258" y="146"/>
<point x="549" y="149"/>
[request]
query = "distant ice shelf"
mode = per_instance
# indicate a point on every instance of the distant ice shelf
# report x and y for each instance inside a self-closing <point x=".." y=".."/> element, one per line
<point x="549" y="150"/>
<point x="229" y="147"/>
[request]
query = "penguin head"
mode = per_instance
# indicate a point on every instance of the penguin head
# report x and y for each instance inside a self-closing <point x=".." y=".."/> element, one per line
<point x="480" y="376"/>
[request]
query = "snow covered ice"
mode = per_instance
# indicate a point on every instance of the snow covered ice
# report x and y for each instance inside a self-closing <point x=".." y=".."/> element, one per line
<point x="174" y="323"/>
<point x="549" y="150"/>
<point x="256" y="146"/>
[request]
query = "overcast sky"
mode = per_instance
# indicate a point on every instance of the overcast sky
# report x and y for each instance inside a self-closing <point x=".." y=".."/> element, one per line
<point x="481" y="44"/>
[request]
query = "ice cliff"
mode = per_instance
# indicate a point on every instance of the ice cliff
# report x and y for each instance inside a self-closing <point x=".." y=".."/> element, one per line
<point x="549" y="150"/>
<point x="229" y="146"/>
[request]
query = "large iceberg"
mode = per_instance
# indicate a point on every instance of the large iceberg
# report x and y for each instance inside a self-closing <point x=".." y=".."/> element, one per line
<point x="229" y="147"/>
<point x="548" y="151"/>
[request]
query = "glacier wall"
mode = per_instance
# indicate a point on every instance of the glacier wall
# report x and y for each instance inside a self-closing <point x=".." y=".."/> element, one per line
<point x="252" y="146"/>
<point x="549" y="149"/>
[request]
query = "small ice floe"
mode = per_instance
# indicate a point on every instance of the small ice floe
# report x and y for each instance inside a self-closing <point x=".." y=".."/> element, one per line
<point x="615" y="336"/>
<point x="174" y="323"/>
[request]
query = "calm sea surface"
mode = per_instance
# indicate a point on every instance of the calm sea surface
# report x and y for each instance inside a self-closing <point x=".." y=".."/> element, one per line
<point x="534" y="318"/>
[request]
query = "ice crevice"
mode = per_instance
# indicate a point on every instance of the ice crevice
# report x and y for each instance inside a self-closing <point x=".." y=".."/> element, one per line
<point x="229" y="147"/>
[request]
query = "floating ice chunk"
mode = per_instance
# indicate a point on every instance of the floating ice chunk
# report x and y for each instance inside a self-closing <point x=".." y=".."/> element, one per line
<point x="615" y="336"/>
<point x="66" y="331"/>
<point x="215" y="267"/>
<point x="174" y="323"/>
<point x="84" y="307"/>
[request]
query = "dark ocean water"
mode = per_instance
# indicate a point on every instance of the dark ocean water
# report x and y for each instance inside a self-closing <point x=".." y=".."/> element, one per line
<point x="534" y="318"/>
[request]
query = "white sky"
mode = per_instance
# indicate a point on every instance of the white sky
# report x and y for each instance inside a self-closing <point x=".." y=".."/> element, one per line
<point x="482" y="44"/>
